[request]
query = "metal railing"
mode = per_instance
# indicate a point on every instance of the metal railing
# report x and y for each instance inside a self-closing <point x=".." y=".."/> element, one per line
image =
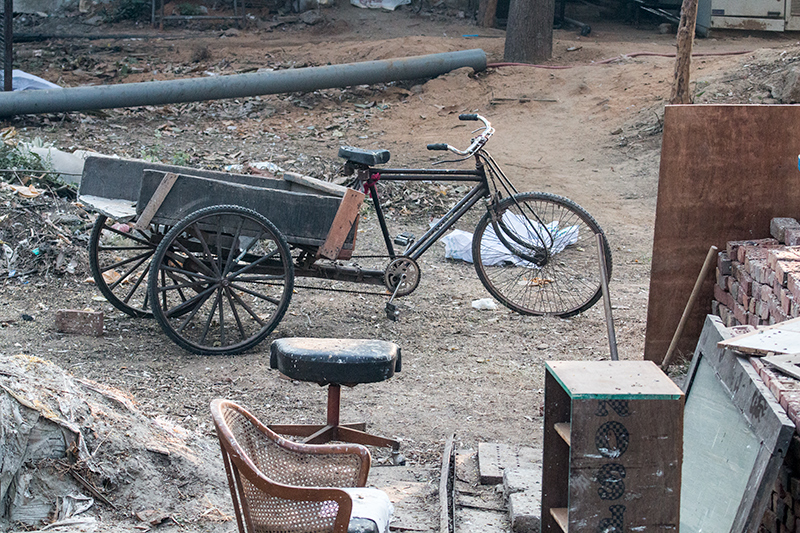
<point x="6" y="41"/>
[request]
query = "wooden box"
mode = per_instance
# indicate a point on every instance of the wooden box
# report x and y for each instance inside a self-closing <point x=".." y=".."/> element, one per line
<point x="613" y="447"/>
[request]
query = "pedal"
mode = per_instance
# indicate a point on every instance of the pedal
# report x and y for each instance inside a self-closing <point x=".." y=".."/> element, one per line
<point x="392" y="312"/>
<point x="404" y="239"/>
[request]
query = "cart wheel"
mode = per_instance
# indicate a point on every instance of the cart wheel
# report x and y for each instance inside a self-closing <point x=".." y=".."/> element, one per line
<point x="221" y="280"/>
<point x="119" y="257"/>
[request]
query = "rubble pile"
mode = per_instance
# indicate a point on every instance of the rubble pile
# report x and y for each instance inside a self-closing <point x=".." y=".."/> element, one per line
<point x="75" y="451"/>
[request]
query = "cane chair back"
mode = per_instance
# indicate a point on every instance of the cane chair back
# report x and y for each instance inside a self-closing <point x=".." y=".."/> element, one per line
<point x="281" y="486"/>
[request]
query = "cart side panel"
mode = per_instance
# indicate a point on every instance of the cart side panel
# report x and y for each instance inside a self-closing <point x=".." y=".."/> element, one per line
<point x="115" y="178"/>
<point x="304" y="219"/>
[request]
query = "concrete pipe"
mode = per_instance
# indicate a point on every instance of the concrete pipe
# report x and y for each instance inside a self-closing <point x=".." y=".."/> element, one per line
<point x="236" y="86"/>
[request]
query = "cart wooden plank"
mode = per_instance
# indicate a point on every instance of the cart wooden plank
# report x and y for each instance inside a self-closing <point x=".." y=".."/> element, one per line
<point x="121" y="179"/>
<point x="304" y="219"/>
<point x="343" y="224"/>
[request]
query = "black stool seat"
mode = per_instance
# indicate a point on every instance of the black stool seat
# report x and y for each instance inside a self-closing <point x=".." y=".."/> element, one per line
<point x="365" y="157"/>
<point x="340" y="361"/>
<point x="336" y="362"/>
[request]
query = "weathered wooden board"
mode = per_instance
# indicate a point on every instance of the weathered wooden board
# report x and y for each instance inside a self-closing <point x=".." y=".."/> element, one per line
<point x="343" y="224"/>
<point x="117" y="178"/>
<point x="726" y="171"/>
<point x="783" y="338"/>
<point x="736" y="436"/>
<point x="788" y="363"/>
<point x="304" y="219"/>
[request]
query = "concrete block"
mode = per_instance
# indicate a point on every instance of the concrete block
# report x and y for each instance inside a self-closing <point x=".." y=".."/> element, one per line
<point x="779" y="225"/>
<point x="523" y="480"/>
<point x="525" y="511"/>
<point x="79" y="322"/>
<point x="724" y="263"/>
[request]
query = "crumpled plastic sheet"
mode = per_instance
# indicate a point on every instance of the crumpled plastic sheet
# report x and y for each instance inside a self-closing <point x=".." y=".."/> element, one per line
<point x="389" y="5"/>
<point x="458" y="243"/>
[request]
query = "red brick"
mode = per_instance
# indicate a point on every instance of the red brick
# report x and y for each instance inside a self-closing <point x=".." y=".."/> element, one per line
<point x="779" y="225"/>
<point x="733" y="246"/>
<point x="782" y="254"/>
<point x="786" y="300"/>
<point x="723" y="297"/>
<point x="79" y="322"/>
<point x="759" y="251"/>
<point x="783" y="269"/>
<point x="739" y="313"/>
<point x="794" y="286"/>
<point x="792" y="237"/>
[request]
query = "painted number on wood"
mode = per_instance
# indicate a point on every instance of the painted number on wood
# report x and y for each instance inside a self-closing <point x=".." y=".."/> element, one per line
<point x="611" y="440"/>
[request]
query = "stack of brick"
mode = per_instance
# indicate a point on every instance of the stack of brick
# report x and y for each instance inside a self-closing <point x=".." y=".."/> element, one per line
<point x="758" y="281"/>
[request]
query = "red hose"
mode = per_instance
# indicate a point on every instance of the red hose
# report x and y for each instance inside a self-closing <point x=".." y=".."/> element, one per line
<point x="611" y="60"/>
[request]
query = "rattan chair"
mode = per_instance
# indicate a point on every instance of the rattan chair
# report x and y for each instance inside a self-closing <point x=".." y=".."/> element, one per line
<point x="278" y="485"/>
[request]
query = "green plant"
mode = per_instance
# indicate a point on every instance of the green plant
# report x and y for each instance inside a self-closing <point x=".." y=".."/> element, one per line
<point x="135" y="10"/>
<point x="14" y="156"/>
<point x="190" y="10"/>
<point x="181" y="159"/>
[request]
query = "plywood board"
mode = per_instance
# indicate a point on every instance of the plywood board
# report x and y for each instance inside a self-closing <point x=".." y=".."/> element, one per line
<point x="726" y="171"/>
<point x="617" y="379"/>
<point x="783" y="338"/>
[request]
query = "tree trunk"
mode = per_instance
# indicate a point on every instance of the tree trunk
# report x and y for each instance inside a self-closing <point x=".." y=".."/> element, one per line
<point x="683" y="61"/>
<point x="529" y="33"/>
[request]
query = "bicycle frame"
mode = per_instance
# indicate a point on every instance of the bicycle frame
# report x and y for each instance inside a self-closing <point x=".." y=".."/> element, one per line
<point x="415" y="251"/>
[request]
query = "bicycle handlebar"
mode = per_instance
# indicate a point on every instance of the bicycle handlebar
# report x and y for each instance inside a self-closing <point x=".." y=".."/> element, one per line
<point x="477" y="142"/>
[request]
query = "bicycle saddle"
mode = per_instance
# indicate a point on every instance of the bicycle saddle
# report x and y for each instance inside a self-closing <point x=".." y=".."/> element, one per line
<point x="364" y="157"/>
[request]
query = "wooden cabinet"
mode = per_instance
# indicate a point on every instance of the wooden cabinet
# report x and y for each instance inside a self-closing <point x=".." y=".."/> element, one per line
<point x="613" y="445"/>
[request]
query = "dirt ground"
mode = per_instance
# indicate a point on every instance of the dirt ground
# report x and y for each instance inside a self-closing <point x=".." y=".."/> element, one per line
<point x="590" y="132"/>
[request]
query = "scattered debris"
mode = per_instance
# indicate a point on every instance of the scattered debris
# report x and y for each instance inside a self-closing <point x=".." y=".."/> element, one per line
<point x="55" y="424"/>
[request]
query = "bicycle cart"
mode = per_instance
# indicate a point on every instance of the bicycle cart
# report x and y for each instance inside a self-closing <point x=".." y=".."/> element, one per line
<point x="213" y="256"/>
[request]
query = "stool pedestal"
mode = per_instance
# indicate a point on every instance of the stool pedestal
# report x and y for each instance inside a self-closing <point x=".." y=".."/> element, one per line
<point x="335" y="362"/>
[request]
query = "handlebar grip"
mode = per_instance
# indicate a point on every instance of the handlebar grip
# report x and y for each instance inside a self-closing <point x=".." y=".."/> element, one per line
<point x="437" y="146"/>
<point x="468" y="116"/>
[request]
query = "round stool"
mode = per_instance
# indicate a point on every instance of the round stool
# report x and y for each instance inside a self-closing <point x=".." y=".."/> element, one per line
<point x="336" y="362"/>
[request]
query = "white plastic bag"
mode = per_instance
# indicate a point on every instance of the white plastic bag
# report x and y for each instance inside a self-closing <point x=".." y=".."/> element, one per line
<point x="458" y="244"/>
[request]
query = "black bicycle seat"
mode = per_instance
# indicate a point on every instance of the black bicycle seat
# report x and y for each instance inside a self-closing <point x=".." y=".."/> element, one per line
<point x="364" y="157"/>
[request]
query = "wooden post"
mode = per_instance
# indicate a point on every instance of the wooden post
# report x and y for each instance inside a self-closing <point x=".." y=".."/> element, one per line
<point x="487" y="12"/>
<point x="683" y="62"/>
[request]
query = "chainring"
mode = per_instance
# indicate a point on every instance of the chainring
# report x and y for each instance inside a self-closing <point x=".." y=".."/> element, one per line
<point x="393" y="276"/>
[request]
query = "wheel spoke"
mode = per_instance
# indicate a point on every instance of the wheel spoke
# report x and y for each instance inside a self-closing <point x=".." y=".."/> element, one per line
<point x="142" y="259"/>
<point x="569" y="280"/>
<point x="230" y="312"/>
<point x="229" y="295"/>
<point x="120" y="262"/>
<point x="259" y="295"/>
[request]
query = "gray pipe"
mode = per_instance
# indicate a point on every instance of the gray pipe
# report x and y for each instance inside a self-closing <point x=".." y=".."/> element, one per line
<point x="236" y="86"/>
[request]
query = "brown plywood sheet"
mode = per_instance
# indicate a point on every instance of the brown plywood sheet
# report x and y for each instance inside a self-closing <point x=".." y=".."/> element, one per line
<point x="726" y="171"/>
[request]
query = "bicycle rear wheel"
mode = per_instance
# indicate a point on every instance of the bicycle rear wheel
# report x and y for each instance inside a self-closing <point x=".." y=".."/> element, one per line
<point x="549" y="263"/>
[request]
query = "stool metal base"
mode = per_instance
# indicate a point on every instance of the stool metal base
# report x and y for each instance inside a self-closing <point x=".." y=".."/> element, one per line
<point x="333" y="430"/>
